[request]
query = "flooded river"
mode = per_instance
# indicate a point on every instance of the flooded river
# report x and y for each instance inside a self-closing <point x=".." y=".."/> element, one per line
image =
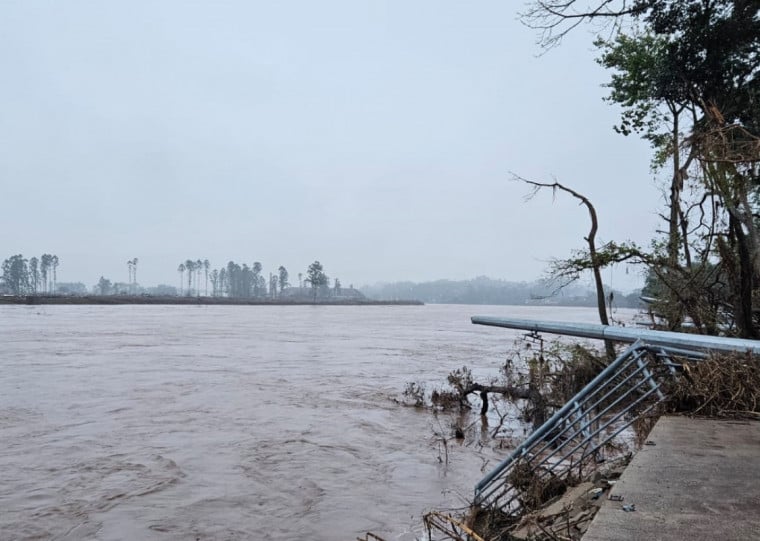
<point x="235" y="422"/>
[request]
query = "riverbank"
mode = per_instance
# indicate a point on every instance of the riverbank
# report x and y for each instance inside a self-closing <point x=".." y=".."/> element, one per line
<point x="150" y="299"/>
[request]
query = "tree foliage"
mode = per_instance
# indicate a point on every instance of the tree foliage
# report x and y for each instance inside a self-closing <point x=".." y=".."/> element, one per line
<point x="316" y="277"/>
<point x="283" y="277"/>
<point x="686" y="74"/>
<point x="16" y="274"/>
<point x="21" y="276"/>
<point x="104" y="286"/>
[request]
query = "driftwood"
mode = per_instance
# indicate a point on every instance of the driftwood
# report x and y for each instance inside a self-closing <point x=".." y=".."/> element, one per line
<point x="525" y="393"/>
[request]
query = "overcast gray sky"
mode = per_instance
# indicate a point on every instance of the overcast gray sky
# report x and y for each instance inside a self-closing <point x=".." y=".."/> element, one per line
<point x="375" y="136"/>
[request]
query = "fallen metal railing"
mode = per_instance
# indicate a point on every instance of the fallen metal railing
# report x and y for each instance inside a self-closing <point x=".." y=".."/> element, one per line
<point x="578" y="434"/>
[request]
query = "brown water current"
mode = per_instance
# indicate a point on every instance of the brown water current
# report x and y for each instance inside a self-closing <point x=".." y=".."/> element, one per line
<point x="235" y="422"/>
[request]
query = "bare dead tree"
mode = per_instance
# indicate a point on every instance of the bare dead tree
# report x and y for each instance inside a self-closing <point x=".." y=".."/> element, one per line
<point x="596" y="264"/>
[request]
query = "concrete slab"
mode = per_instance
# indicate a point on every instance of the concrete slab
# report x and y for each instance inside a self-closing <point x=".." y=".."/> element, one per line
<point x="700" y="481"/>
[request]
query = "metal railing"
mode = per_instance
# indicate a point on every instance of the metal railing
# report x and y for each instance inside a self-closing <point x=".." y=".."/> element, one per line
<point x="578" y="435"/>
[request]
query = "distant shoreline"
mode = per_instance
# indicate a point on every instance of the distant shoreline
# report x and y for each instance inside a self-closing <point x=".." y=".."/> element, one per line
<point x="149" y="299"/>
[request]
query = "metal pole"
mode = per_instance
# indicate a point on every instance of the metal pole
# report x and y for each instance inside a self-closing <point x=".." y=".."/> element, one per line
<point x="625" y="334"/>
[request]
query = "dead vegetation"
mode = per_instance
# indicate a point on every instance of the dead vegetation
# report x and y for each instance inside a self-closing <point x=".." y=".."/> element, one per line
<point x="561" y="507"/>
<point x="537" y="379"/>
<point x="723" y="385"/>
<point x="565" y="511"/>
<point x="534" y="489"/>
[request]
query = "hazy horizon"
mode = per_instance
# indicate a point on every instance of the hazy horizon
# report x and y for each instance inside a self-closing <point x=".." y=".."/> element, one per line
<point x="585" y="284"/>
<point x="376" y="138"/>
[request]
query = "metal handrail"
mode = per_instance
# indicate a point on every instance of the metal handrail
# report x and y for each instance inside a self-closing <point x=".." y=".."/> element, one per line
<point x="575" y="432"/>
<point x="550" y="424"/>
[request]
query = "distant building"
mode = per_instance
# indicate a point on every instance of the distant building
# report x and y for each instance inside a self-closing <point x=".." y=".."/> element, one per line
<point x="162" y="290"/>
<point x="70" y="288"/>
<point x="306" y="293"/>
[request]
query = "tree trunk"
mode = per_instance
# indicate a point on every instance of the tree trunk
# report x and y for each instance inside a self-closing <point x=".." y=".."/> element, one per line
<point x="596" y="266"/>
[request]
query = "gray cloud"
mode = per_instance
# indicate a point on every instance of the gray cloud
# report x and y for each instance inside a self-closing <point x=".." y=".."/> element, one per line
<point x="376" y="137"/>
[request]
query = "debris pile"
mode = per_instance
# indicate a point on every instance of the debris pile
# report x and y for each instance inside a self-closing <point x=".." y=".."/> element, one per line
<point x="563" y="516"/>
<point x="569" y="515"/>
<point x="723" y="385"/>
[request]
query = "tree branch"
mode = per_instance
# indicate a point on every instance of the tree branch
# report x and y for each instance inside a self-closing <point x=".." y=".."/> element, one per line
<point x="556" y="18"/>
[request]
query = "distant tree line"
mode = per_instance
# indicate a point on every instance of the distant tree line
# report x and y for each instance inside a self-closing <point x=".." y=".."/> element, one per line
<point x="234" y="280"/>
<point x="33" y="276"/>
<point x="240" y="280"/>
<point x="483" y="290"/>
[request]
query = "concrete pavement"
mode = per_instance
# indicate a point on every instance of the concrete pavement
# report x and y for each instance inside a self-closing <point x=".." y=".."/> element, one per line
<point x="700" y="481"/>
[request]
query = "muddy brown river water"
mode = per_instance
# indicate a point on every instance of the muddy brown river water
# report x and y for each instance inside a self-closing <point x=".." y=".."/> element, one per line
<point x="235" y="422"/>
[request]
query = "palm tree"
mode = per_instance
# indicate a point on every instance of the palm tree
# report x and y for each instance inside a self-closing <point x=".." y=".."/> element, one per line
<point x="198" y="268"/>
<point x="181" y="271"/>
<point x="54" y="262"/>
<point x="190" y="267"/>
<point x="129" y="270"/>
<point x="134" y="273"/>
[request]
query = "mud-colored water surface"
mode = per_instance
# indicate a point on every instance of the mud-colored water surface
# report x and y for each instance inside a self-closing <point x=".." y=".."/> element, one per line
<point x="234" y="422"/>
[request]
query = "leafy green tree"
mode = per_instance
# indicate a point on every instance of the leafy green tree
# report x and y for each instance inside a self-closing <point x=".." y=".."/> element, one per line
<point x="685" y="74"/>
<point x="34" y="274"/>
<point x="234" y="279"/>
<point x="104" y="286"/>
<point x="638" y="63"/>
<point x="316" y="277"/>
<point x="283" y="277"/>
<point x="248" y="282"/>
<point x="16" y="274"/>
<point x="256" y="278"/>
<point x="261" y="286"/>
